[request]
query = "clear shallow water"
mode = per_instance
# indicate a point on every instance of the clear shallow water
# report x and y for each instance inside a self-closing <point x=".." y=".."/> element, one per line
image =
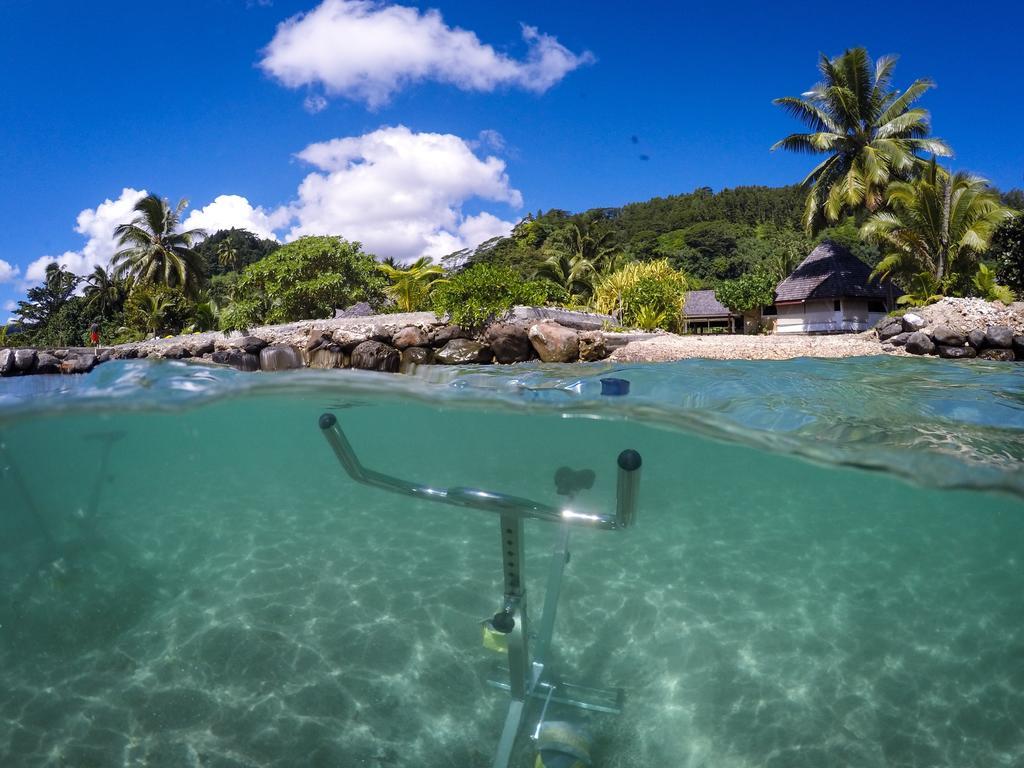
<point x="201" y="585"/>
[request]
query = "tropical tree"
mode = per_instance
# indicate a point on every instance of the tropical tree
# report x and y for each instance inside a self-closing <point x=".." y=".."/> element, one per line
<point x="153" y="251"/>
<point x="410" y="286"/>
<point x="586" y="243"/>
<point x="227" y="255"/>
<point x="871" y="133"/>
<point x="46" y="300"/>
<point x="939" y="224"/>
<point x="647" y="292"/>
<point x="572" y="272"/>
<point x="104" y="293"/>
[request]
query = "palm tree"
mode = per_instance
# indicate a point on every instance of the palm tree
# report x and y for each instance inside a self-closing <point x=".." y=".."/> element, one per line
<point x="154" y="252"/>
<point x="227" y="255"/>
<point x="154" y="308"/>
<point x="585" y="244"/>
<point x="938" y="224"/>
<point x="410" y="286"/>
<point x="571" y="271"/>
<point x="104" y="292"/>
<point x="868" y="130"/>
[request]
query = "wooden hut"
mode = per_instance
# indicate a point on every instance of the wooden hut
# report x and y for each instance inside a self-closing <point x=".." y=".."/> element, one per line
<point x="702" y="313"/>
<point x="830" y="293"/>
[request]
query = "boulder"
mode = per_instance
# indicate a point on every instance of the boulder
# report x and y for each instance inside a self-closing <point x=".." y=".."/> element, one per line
<point x="920" y="344"/>
<point x="47" y="363"/>
<point x="6" y="362"/>
<point x="956" y="352"/>
<point x="348" y="339"/>
<point x="238" y="359"/>
<point x="105" y="357"/>
<point x="592" y="346"/>
<point x="410" y="336"/>
<point x="375" y="356"/>
<point x="445" y="333"/>
<point x="202" y="348"/>
<point x="250" y="344"/>
<point x="413" y="357"/>
<point x="280" y="357"/>
<point x="555" y="343"/>
<point x="888" y="327"/>
<point x="78" y="363"/>
<point x="976" y="338"/>
<point x="945" y="336"/>
<point x="329" y="356"/>
<point x="175" y="352"/>
<point x="999" y="337"/>
<point x="900" y="339"/>
<point x="1002" y="355"/>
<point x="1018" y="345"/>
<point x="509" y="342"/>
<point x="24" y="360"/>
<point x="912" y="322"/>
<point x="460" y="351"/>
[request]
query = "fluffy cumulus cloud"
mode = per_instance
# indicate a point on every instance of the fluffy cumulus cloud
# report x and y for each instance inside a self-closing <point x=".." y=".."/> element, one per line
<point x="366" y="50"/>
<point x="400" y="193"/>
<point x="227" y="211"/>
<point x="97" y="226"/>
<point x="8" y="272"/>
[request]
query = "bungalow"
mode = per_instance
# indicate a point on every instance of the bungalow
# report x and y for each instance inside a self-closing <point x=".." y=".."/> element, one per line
<point x="830" y="293"/>
<point x="702" y="312"/>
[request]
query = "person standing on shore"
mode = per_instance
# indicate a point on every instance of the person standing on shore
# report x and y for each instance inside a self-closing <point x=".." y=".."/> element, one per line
<point x="94" y="334"/>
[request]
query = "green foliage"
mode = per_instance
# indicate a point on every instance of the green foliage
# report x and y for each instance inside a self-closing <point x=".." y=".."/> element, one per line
<point x="158" y="310"/>
<point x="483" y="292"/>
<point x="643" y="291"/>
<point x="231" y="250"/>
<point x="649" y="318"/>
<point x="308" y="278"/>
<point x="68" y="327"/>
<point x="153" y="251"/>
<point x="410" y="286"/>
<point x="1007" y="252"/>
<point x="921" y="289"/>
<point x="750" y="291"/>
<point x="987" y="288"/>
<point x="707" y="250"/>
<point x="870" y="133"/>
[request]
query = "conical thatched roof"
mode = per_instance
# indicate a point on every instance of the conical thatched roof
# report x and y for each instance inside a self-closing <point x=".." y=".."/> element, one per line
<point x="830" y="272"/>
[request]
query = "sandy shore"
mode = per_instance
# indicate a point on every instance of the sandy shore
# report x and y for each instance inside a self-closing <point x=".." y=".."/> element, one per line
<point x="672" y="347"/>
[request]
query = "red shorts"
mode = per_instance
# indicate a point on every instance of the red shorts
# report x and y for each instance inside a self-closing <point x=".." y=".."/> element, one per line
<point x="95" y="337"/>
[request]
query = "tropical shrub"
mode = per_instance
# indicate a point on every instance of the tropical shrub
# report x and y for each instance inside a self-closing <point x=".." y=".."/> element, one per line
<point x="157" y="310"/>
<point x="751" y="291"/>
<point x="308" y="278"/>
<point x="650" y="288"/>
<point x="1007" y="251"/>
<point x="484" y="292"/>
<point x="985" y="285"/>
<point x="410" y="286"/>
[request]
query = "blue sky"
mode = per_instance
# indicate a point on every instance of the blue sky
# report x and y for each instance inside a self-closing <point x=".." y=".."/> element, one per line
<point x="447" y="136"/>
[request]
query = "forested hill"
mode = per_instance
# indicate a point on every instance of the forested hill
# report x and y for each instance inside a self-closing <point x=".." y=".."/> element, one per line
<point x="712" y="236"/>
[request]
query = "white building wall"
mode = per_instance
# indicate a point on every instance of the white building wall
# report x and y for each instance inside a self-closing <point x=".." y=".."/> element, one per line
<point x="820" y="316"/>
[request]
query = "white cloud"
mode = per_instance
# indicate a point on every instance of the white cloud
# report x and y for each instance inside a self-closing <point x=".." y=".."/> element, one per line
<point x="227" y="211"/>
<point x="367" y="51"/>
<point x="10" y="305"/>
<point x="314" y="103"/>
<point x="400" y="193"/>
<point x="8" y="272"/>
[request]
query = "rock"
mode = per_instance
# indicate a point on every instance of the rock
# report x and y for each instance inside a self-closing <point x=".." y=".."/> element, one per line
<point x="1002" y="355"/>
<point x="375" y="356"/>
<point x="280" y="357"/>
<point x="47" y="363"/>
<point x="410" y="336"/>
<point x="330" y="356"/>
<point x="202" y="348"/>
<point x="945" y="336"/>
<point x="1018" y="345"/>
<point x="106" y="357"/>
<point x="593" y="346"/>
<point x="956" y="352"/>
<point x="920" y="344"/>
<point x="348" y="340"/>
<point x="976" y="338"/>
<point x="888" y="327"/>
<point x="78" y="363"/>
<point x="362" y="309"/>
<point x="317" y="338"/>
<point x="237" y="358"/>
<point x="912" y="322"/>
<point x="175" y="352"/>
<point x="250" y="344"/>
<point x="445" y="333"/>
<point x="413" y="357"/>
<point x="460" y="351"/>
<point x="6" y="362"/>
<point x="568" y="318"/>
<point x="24" y="360"/>
<point x="900" y="339"/>
<point x="999" y="337"/>
<point x="555" y="343"/>
<point x="509" y="342"/>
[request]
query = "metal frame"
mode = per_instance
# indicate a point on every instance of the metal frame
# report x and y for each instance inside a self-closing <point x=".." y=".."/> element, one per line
<point x="526" y="673"/>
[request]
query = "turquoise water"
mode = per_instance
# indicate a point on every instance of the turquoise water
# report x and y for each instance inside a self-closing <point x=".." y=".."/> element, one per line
<point x="827" y="567"/>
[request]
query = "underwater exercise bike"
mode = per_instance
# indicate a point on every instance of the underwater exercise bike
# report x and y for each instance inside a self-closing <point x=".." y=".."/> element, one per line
<point x="558" y="743"/>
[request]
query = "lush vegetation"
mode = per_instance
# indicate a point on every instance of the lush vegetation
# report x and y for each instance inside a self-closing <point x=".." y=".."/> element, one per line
<point x="878" y="190"/>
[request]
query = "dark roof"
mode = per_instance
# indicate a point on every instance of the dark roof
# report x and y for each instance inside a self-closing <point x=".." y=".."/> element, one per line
<point x="704" y="304"/>
<point x="830" y="272"/>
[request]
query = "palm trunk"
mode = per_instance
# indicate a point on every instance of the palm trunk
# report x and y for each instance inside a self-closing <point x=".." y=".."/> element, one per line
<point x="947" y="201"/>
